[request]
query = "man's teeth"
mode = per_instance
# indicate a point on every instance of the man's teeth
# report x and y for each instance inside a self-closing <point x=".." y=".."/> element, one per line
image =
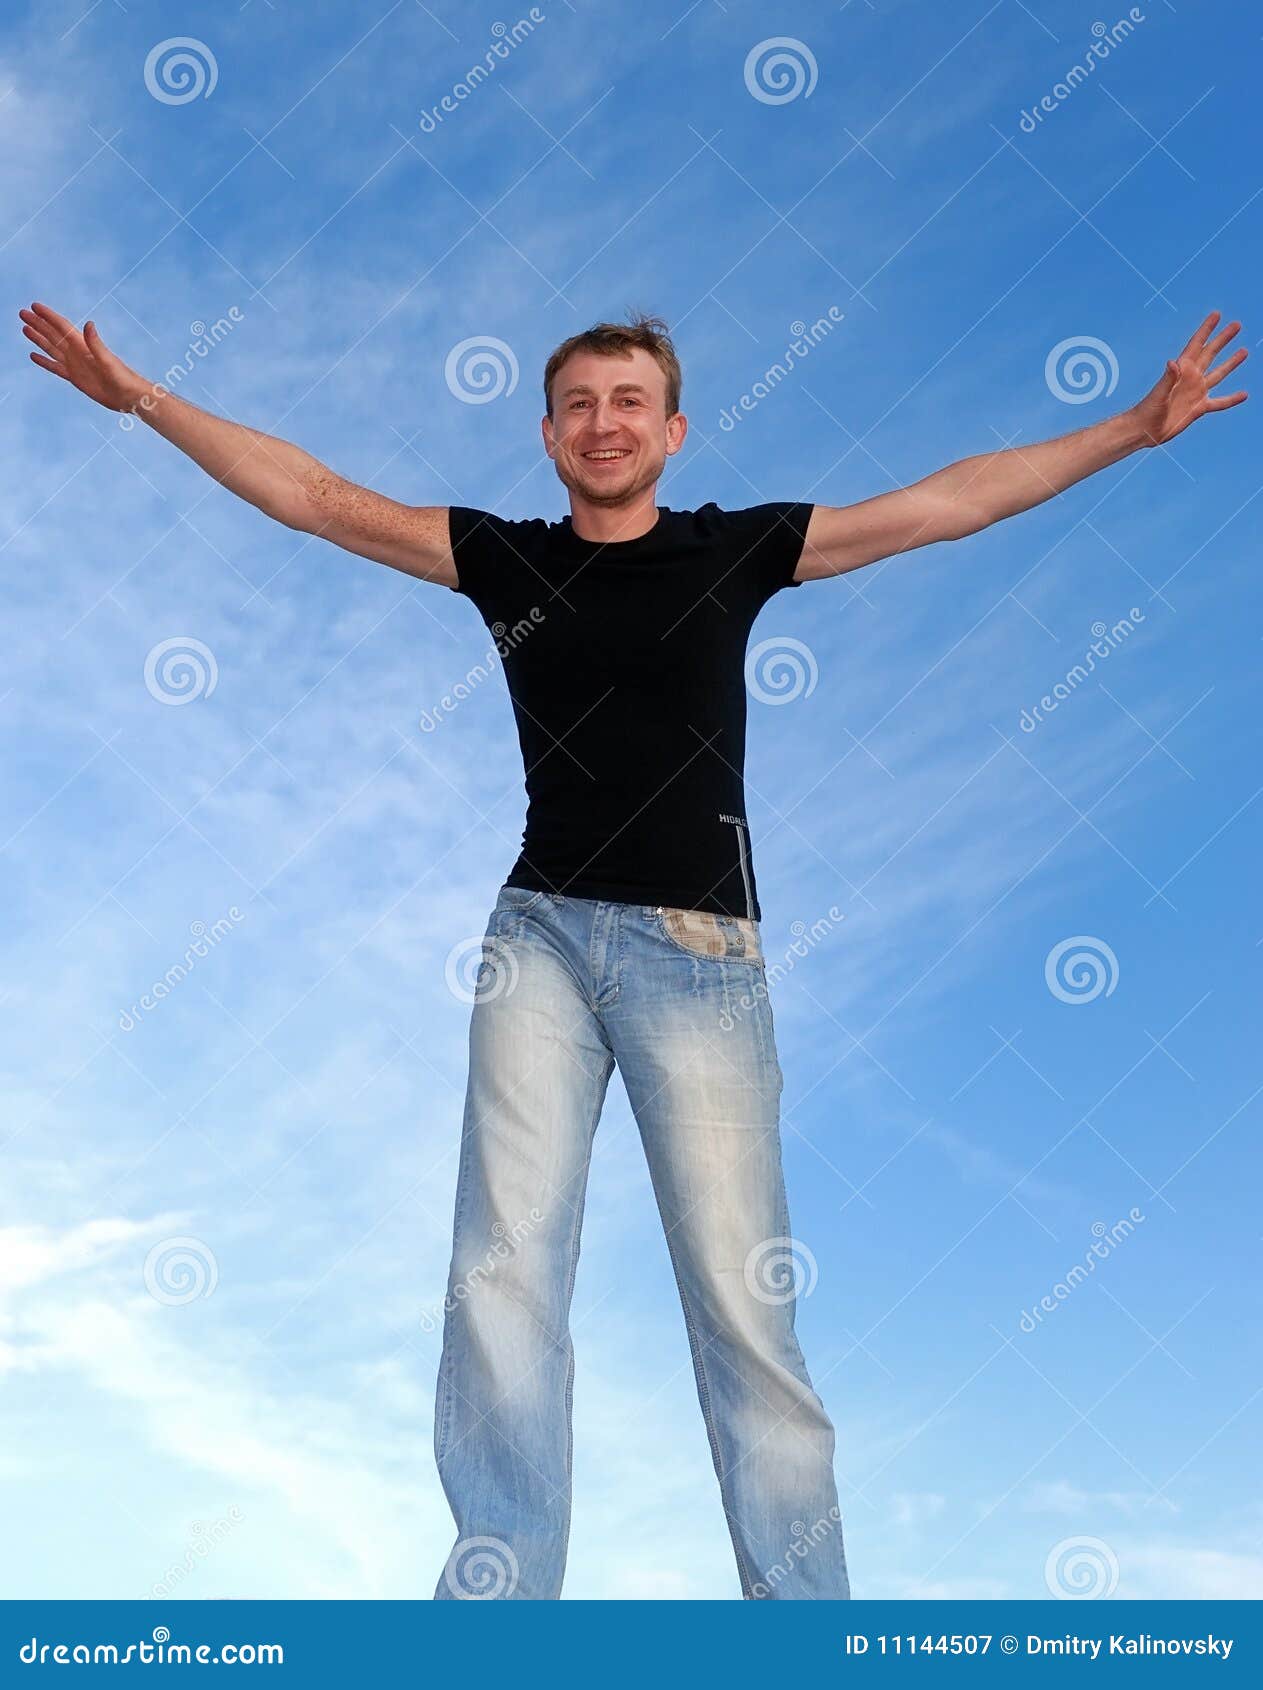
<point x="618" y="452"/>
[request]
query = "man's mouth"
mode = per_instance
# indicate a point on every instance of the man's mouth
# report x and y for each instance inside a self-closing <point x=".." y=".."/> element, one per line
<point x="607" y="454"/>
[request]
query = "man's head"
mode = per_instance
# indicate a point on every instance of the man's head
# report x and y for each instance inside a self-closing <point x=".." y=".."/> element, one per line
<point x="613" y="399"/>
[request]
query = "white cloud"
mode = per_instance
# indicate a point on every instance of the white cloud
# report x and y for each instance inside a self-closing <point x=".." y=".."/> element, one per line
<point x="915" y="1508"/>
<point x="1060" y="1496"/>
<point x="297" y="1174"/>
<point x="1171" y="1571"/>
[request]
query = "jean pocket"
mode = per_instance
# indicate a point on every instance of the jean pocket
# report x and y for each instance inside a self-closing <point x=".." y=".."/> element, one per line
<point x="702" y="933"/>
<point x="513" y="905"/>
<point x="519" y="897"/>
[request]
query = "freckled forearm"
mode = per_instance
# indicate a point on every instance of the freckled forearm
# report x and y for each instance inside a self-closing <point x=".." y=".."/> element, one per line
<point x="279" y="478"/>
<point x="983" y="489"/>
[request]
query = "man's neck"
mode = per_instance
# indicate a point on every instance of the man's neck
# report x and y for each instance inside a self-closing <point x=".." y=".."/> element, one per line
<point x="604" y="523"/>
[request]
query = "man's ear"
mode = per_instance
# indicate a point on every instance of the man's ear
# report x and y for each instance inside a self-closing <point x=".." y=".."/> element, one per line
<point x="677" y="428"/>
<point x="546" y="429"/>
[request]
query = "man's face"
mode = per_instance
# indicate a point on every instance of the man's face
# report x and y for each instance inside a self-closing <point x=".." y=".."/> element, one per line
<point x="609" y="434"/>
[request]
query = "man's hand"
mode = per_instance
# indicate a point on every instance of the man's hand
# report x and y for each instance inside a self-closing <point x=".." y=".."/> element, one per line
<point x="978" y="491"/>
<point x="1181" y="394"/>
<point x="84" y="360"/>
<point x="278" y="477"/>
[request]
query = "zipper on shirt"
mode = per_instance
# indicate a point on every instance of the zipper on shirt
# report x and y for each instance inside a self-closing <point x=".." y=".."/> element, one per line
<point x="744" y="861"/>
<point x="745" y="869"/>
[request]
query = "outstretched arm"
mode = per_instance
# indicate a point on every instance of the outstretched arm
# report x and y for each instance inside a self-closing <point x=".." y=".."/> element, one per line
<point x="282" y="480"/>
<point x="978" y="491"/>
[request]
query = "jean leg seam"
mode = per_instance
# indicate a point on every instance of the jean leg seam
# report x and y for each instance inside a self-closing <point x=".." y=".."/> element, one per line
<point x="703" y="1391"/>
<point x="444" y="1410"/>
<point x="575" y="1246"/>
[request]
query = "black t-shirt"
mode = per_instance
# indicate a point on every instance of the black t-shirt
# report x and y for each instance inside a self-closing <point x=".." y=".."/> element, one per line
<point x="625" y="663"/>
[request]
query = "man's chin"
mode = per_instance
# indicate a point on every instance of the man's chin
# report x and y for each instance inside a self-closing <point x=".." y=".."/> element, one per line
<point x="606" y="489"/>
<point x="601" y="493"/>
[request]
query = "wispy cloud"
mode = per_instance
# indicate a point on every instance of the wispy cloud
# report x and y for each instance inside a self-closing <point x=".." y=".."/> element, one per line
<point x="295" y="1102"/>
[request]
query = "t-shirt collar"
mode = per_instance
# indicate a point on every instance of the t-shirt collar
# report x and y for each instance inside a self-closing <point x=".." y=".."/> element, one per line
<point x="619" y="548"/>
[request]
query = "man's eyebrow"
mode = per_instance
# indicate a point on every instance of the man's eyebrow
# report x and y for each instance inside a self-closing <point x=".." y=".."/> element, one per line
<point x="619" y="387"/>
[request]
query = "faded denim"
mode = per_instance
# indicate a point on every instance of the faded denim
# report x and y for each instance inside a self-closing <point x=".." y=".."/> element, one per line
<point x="678" y="999"/>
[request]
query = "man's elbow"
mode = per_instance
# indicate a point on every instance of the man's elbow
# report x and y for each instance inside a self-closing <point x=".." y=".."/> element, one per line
<point x="958" y="519"/>
<point x="300" y="508"/>
<point x="313" y="498"/>
<point x="299" y="514"/>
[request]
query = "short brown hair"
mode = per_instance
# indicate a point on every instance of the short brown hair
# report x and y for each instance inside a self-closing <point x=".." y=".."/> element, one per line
<point x="648" y="334"/>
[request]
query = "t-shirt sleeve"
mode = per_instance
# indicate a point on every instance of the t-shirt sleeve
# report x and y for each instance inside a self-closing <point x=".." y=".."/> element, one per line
<point x="496" y="557"/>
<point x="763" y="544"/>
<point x="475" y="548"/>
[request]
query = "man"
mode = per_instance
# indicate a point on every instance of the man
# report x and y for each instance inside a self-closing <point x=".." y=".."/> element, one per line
<point x="628" y="931"/>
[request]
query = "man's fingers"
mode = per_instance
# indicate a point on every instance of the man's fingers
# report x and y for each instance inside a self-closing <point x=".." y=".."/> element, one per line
<point x="1215" y="347"/>
<point x="92" y="340"/>
<point x="37" y="328"/>
<point x="1238" y="357"/>
<point x="1199" y="336"/>
<point x="1223" y="404"/>
<point x="41" y="340"/>
<point x="57" y="327"/>
<point x="62" y="324"/>
<point x="48" y="364"/>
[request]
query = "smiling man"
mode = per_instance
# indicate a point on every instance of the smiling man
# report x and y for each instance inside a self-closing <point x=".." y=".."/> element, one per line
<point x="628" y="932"/>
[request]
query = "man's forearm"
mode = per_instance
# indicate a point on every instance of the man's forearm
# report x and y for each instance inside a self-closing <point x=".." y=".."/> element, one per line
<point x="281" y="479"/>
<point x="983" y="489"/>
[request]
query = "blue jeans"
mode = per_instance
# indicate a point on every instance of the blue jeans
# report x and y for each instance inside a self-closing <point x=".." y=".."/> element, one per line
<point x="678" y="998"/>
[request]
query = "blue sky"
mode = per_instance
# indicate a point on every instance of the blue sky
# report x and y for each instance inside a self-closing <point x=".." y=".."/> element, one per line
<point x="958" y="1133"/>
